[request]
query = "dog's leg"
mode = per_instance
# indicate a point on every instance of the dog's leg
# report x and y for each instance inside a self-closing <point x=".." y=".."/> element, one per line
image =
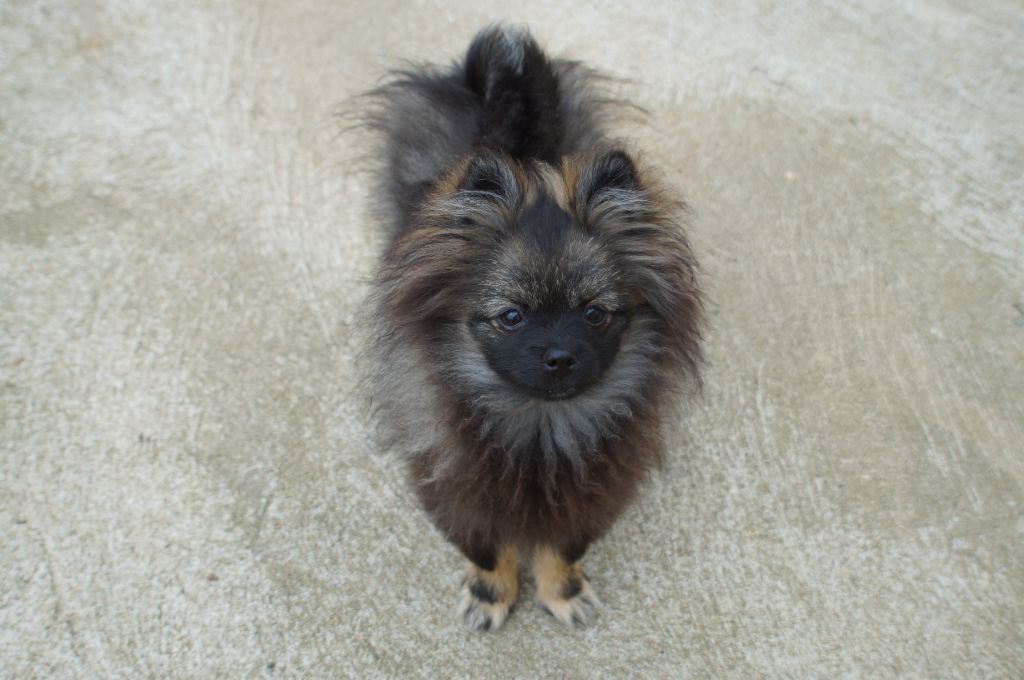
<point x="562" y="588"/>
<point x="489" y="590"/>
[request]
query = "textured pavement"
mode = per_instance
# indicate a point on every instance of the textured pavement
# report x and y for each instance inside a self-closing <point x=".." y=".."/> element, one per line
<point x="188" y="482"/>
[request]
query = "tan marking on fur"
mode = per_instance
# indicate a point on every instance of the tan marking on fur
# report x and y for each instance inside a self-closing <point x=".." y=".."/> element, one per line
<point x="570" y="178"/>
<point x="519" y="172"/>
<point x="449" y="184"/>
<point x="552" y="183"/>
<point x="553" y="574"/>
<point x="503" y="582"/>
<point x="419" y="234"/>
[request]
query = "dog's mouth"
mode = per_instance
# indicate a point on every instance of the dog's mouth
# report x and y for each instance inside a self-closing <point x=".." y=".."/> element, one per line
<point x="546" y="392"/>
<point x="558" y="394"/>
<point x="555" y="392"/>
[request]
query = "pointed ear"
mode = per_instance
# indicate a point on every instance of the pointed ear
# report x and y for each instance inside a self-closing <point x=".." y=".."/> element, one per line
<point x="614" y="170"/>
<point x="490" y="173"/>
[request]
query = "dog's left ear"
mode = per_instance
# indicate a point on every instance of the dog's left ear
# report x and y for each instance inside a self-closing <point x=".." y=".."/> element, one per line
<point x="614" y="170"/>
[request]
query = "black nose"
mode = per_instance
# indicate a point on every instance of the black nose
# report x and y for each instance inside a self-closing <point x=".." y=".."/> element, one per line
<point x="559" y="362"/>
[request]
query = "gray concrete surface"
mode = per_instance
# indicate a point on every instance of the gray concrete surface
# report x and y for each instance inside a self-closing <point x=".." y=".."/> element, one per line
<point x="188" y="486"/>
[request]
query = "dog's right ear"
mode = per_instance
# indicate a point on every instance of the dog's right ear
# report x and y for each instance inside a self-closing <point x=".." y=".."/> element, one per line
<point x="614" y="170"/>
<point x="490" y="175"/>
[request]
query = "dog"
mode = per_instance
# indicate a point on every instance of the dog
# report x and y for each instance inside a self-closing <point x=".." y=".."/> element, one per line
<point x="536" y="313"/>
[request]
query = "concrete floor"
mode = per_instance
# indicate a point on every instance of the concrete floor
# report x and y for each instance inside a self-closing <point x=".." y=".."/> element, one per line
<point x="188" y="484"/>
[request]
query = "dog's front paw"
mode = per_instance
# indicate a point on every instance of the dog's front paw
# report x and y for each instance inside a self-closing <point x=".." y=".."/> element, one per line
<point x="563" y="590"/>
<point x="575" y="604"/>
<point x="482" y="606"/>
<point x="488" y="597"/>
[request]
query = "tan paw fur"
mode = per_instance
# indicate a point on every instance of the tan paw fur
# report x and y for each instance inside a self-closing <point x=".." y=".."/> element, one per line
<point x="563" y="590"/>
<point x="487" y="597"/>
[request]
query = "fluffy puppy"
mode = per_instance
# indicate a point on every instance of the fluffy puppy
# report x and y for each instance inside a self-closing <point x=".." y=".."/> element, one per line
<point x="535" y="308"/>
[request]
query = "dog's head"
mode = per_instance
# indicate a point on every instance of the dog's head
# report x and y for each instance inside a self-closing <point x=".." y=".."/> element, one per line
<point x="535" y="284"/>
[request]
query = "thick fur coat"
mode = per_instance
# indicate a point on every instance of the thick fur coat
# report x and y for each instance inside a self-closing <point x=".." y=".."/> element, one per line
<point x="506" y="199"/>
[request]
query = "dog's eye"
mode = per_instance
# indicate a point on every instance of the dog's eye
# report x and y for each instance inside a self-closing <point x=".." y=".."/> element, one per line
<point x="511" y="319"/>
<point x="595" y="315"/>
